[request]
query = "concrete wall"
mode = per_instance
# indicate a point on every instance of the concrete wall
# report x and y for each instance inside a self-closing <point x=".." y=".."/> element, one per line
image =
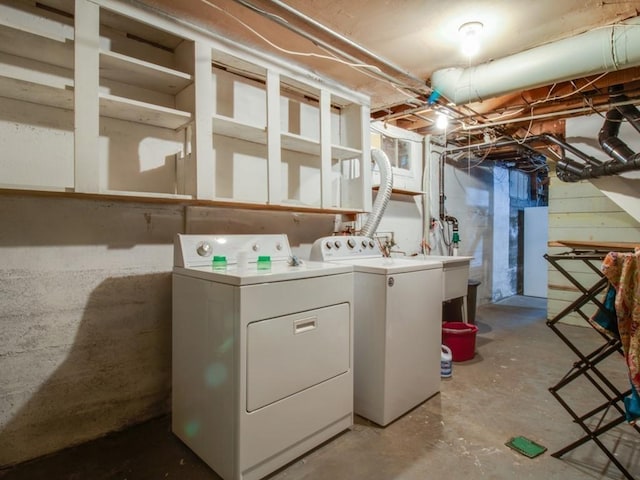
<point x="85" y="289"/>
<point x="472" y="199"/>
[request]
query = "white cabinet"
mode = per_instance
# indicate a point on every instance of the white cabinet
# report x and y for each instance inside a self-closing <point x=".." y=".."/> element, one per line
<point x="36" y="96"/>
<point x="103" y="97"/>
<point x="141" y="95"/>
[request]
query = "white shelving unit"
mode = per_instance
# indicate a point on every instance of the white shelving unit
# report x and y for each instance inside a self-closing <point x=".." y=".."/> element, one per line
<point x="36" y="96"/>
<point x="156" y="109"/>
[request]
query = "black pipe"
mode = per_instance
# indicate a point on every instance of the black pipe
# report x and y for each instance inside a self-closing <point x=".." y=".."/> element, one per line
<point x="628" y="111"/>
<point x="567" y="170"/>
<point x="608" y="138"/>
<point x="632" y="114"/>
<point x="588" y="171"/>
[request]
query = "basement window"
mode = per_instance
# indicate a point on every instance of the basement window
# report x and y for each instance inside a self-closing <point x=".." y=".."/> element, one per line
<point x="398" y="151"/>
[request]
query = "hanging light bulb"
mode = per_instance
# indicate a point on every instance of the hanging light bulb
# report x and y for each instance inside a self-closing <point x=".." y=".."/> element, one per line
<point x="470" y="38"/>
<point x="441" y="121"/>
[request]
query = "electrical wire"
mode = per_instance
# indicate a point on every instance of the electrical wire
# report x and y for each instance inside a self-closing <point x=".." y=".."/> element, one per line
<point x="285" y="50"/>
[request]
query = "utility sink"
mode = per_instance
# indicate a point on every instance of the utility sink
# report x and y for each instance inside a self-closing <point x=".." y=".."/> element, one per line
<point x="455" y="274"/>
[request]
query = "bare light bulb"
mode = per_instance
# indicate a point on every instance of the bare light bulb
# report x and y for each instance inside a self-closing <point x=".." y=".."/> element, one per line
<point x="441" y="121"/>
<point x="470" y="38"/>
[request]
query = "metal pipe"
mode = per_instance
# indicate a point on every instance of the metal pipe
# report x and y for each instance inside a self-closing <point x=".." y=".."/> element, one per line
<point x="282" y="22"/>
<point x="561" y="113"/>
<point x="441" y="196"/>
<point x="348" y="41"/>
<point x="577" y="152"/>
<point x="551" y="138"/>
<point x="600" y="50"/>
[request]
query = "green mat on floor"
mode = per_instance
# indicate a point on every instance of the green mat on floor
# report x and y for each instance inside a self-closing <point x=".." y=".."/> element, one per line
<point x="526" y="447"/>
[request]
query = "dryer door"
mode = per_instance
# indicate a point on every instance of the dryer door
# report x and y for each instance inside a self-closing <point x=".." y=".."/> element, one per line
<point x="291" y="353"/>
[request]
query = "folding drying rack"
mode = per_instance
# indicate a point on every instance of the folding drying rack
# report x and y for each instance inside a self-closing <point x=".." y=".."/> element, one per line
<point x="611" y="411"/>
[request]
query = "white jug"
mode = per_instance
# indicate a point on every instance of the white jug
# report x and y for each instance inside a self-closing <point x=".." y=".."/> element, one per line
<point x="446" y="362"/>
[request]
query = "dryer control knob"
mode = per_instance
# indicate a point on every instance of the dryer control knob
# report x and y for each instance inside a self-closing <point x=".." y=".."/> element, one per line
<point x="328" y="245"/>
<point x="371" y="244"/>
<point x="351" y="243"/>
<point x="337" y="243"/>
<point x="204" y="249"/>
<point x="255" y="247"/>
<point x="278" y="246"/>
<point x="364" y="244"/>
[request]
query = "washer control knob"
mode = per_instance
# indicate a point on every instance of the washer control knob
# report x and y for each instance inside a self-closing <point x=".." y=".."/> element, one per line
<point x="337" y="244"/>
<point x="351" y="243"/>
<point x="371" y="244"/>
<point x="278" y="246"/>
<point x="364" y="244"/>
<point x="255" y="247"/>
<point x="204" y="249"/>
<point x="328" y="245"/>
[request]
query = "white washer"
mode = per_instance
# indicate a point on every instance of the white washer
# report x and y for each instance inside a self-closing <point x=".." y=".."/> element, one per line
<point x="397" y="326"/>
<point x="262" y="359"/>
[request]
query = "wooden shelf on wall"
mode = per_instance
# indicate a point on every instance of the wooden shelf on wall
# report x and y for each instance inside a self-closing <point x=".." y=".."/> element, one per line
<point x="401" y="191"/>
<point x="137" y="197"/>
<point x="126" y="69"/>
<point x="141" y="112"/>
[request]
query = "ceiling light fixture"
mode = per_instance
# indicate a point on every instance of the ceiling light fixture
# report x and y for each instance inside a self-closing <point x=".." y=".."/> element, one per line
<point x="470" y="38"/>
<point x="441" y="121"/>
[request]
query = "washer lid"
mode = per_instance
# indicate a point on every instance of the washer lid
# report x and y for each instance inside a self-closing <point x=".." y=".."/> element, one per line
<point x="389" y="265"/>
<point x="279" y="272"/>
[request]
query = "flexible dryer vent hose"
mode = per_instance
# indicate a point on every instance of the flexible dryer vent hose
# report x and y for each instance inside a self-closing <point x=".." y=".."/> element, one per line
<point x="384" y="193"/>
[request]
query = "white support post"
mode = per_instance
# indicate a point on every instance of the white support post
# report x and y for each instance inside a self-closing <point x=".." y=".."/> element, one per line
<point x="274" y="153"/>
<point x="202" y="141"/>
<point x="325" y="149"/>
<point x="86" y="103"/>
<point x="365" y="165"/>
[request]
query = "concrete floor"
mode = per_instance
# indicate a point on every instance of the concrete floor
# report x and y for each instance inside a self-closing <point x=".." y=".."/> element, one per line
<point x="460" y="433"/>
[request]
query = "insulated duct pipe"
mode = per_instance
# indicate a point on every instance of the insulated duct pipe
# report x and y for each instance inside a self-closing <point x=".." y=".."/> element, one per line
<point x="384" y="192"/>
<point x="601" y="50"/>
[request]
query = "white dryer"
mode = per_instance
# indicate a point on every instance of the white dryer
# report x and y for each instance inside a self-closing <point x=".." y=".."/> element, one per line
<point x="398" y="326"/>
<point x="262" y="354"/>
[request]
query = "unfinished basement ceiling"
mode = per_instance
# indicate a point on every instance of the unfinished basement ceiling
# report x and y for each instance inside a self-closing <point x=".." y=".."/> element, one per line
<point x="408" y="40"/>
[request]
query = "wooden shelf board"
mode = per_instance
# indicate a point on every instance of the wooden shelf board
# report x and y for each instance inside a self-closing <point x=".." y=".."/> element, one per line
<point x="30" y="20"/>
<point x="401" y="191"/>
<point x="187" y="200"/>
<point x="298" y="143"/>
<point x="55" y="52"/>
<point x="140" y="112"/>
<point x="596" y="245"/>
<point x="37" y="93"/>
<point x="229" y="127"/>
<point x="344" y="153"/>
<point x="130" y="70"/>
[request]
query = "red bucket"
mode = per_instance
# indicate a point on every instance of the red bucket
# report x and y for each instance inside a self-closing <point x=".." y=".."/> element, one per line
<point x="460" y="337"/>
